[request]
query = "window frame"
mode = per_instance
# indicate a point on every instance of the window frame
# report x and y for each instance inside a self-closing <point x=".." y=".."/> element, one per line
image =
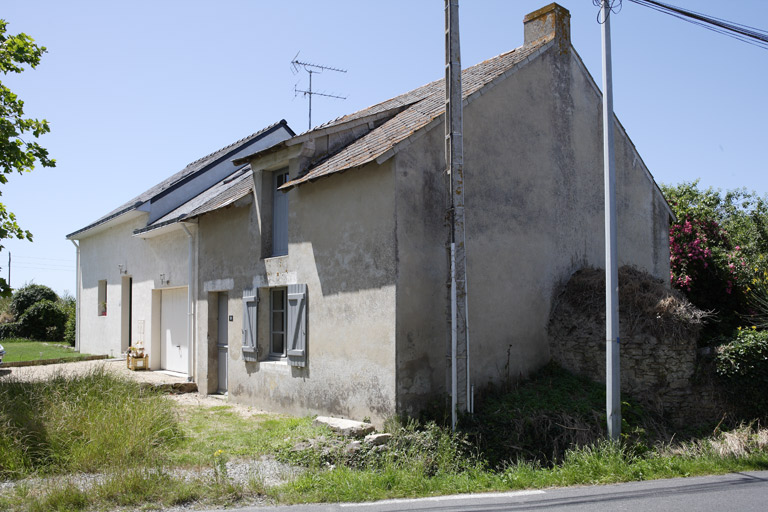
<point x="273" y="354"/>
<point x="279" y="178"/>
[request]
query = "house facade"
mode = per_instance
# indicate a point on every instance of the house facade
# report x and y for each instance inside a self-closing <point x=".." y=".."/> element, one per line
<point x="319" y="285"/>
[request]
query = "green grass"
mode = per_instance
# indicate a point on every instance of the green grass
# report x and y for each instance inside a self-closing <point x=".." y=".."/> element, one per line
<point x="100" y="423"/>
<point x="90" y="423"/>
<point x="19" y="349"/>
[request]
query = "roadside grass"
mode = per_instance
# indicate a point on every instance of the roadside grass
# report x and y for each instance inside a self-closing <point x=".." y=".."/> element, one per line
<point x="82" y="424"/>
<point x="134" y="443"/>
<point x="21" y="349"/>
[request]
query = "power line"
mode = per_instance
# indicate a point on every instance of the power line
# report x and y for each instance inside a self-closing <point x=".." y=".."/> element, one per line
<point x="740" y="32"/>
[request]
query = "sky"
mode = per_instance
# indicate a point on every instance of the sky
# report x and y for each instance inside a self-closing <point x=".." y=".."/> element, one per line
<point x="136" y="90"/>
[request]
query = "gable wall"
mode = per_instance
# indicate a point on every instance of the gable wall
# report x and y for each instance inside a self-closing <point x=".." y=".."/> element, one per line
<point x="534" y="215"/>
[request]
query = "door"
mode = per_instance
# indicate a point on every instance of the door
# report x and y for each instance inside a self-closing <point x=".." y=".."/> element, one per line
<point x="174" y="349"/>
<point x="223" y="342"/>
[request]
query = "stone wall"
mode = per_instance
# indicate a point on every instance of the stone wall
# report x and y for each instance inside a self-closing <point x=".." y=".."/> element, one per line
<point x="658" y="332"/>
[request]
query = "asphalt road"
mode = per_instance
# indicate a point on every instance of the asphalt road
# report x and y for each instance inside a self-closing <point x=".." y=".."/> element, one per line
<point x="732" y="492"/>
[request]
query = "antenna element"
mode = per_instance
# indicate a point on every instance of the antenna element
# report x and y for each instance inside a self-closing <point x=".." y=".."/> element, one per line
<point x="296" y="67"/>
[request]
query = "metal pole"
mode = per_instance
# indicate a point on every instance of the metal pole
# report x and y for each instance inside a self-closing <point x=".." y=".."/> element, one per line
<point x="454" y="153"/>
<point x="310" y="100"/>
<point x="612" y="374"/>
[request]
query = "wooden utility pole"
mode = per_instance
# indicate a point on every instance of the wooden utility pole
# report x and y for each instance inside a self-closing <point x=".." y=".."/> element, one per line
<point x="454" y="160"/>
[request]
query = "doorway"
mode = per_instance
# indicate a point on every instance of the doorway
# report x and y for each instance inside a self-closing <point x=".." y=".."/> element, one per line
<point x="222" y="342"/>
<point x="126" y="313"/>
<point x="174" y="349"/>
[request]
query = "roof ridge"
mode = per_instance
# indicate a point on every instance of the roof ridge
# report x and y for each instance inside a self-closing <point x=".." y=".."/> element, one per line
<point x="209" y="155"/>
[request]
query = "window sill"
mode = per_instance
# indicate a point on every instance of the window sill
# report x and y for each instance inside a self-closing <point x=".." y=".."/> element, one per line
<point x="280" y="366"/>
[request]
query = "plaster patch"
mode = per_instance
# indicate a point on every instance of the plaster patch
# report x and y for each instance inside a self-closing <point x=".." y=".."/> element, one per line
<point x="218" y="285"/>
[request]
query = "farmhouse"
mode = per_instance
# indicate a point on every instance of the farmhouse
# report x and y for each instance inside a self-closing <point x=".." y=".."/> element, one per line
<point x="307" y="273"/>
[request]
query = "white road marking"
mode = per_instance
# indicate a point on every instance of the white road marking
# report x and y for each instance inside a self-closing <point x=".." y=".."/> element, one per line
<point x="511" y="494"/>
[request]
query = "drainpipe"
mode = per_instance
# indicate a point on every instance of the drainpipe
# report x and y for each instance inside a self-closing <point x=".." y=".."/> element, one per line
<point x="77" y="298"/>
<point x="191" y="305"/>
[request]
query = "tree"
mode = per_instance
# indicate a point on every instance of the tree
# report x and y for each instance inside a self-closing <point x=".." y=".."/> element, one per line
<point x="17" y="152"/>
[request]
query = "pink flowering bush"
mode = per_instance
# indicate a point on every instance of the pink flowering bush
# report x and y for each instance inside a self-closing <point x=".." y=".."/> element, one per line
<point x="717" y="247"/>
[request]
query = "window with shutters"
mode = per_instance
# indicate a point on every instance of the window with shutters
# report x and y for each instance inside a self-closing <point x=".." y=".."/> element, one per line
<point x="286" y="334"/>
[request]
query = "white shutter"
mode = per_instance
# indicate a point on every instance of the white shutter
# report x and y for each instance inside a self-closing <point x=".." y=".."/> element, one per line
<point x="297" y="325"/>
<point x="250" y="328"/>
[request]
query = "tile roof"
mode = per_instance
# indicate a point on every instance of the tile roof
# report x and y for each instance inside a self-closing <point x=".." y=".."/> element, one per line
<point x="191" y="168"/>
<point x="420" y="107"/>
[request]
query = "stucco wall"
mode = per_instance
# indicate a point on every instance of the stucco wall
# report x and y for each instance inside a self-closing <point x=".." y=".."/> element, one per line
<point x="144" y="261"/>
<point x="534" y="215"/>
<point x="341" y="244"/>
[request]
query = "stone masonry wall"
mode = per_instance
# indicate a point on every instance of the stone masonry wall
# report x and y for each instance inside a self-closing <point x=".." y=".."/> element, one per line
<point x="658" y="349"/>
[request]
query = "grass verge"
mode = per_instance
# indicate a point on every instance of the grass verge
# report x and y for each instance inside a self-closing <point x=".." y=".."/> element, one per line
<point x="145" y="451"/>
<point x="20" y="349"/>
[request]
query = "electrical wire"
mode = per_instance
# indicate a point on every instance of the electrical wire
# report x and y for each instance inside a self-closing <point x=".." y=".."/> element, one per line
<point x="740" y="32"/>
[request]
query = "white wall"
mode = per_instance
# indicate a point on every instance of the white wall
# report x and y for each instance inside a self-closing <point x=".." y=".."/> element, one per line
<point x="144" y="261"/>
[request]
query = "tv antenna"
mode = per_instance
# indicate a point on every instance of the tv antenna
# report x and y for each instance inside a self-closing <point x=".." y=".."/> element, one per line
<point x="296" y="66"/>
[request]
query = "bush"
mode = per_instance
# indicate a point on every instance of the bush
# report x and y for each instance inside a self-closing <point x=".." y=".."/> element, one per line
<point x="69" y="305"/>
<point x="743" y="365"/>
<point x="44" y="320"/>
<point x="9" y="330"/>
<point x="30" y="294"/>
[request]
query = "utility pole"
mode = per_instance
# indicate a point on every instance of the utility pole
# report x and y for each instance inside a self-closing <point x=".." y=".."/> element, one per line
<point x="9" y="269"/>
<point x="312" y="69"/>
<point x="612" y="372"/>
<point x="454" y="160"/>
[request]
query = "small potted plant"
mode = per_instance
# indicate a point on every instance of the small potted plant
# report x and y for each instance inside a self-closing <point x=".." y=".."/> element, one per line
<point x="136" y="359"/>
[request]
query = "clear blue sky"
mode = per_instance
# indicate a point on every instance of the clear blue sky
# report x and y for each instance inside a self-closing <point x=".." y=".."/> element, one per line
<point x="136" y="90"/>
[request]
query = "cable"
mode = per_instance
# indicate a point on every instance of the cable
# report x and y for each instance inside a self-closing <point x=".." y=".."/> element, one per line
<point x="740" y="32"/>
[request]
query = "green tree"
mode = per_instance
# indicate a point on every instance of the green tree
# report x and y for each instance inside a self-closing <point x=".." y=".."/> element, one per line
<point x="17" y="152"/>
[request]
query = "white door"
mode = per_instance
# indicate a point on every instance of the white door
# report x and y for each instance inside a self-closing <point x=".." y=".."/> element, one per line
<point x="174" y="351"/>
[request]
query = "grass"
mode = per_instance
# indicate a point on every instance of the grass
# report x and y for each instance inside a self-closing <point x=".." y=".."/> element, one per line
<point x="137" y="439"/>
<point x="20" y="349"/>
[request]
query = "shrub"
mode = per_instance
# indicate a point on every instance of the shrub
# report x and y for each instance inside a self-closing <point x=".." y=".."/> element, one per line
<point x="30" y="294"/>
<point x="743" y="365"/>
<point x="9" y="330"/>
<point x="44" y="320"/>
<point x="69" y="305"/>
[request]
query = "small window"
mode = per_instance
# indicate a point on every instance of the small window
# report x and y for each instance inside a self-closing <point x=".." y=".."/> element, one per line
<point x="277" y="325"/>
<point x="279" y="215"/>
<point x="103" y="297"/>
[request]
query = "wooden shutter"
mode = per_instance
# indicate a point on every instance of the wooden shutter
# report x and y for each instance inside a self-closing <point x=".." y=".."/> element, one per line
<point x="297" y="325"/>
<point x="250" y="328"/>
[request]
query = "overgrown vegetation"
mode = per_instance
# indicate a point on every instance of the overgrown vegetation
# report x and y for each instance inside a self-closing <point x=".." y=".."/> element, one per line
<point x="718" y="246"/>
<point x="151" y="453"/>
<point x="742" y="365"/>
<point x="90" y="423"/>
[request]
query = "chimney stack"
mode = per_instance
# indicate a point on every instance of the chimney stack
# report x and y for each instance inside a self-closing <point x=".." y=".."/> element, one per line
<point x="552" y="19"/>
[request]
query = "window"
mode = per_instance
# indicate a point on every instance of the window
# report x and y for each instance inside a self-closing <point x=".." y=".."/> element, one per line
<point x="279" y="215"/>
<point x="277" y="322"/>
<point x="102" y="297"/>
<point x="287" y="330"/>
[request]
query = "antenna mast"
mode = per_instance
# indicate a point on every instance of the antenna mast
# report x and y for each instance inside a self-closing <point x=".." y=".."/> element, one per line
<point x="296" y="66"/>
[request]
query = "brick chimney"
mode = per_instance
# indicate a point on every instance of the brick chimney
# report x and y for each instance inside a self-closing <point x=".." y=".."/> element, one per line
<point x="552" y="19"/>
